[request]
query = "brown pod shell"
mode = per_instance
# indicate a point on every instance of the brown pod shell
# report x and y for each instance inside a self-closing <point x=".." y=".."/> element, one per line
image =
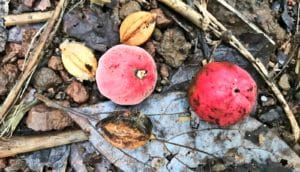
<point x="126" y="130"/>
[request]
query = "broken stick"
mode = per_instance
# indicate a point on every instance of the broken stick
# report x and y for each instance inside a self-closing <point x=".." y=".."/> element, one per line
<point x="27" y="18"/>
<point x="22" y="144"/>
<point x="206" y="21"/>
<point x="33" y="61"/>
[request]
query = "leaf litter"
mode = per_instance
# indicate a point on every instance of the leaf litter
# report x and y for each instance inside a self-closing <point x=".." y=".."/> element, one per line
<point x="178" y="146"/>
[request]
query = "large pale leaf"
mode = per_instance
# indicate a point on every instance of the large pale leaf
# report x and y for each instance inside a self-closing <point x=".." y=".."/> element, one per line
<point x="190" y="141"/>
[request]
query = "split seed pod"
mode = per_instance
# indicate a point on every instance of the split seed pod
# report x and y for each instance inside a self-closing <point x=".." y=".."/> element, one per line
<point x="137" y="28"/>
<point x="78" y="60"/>
<point x="126" y="130"/>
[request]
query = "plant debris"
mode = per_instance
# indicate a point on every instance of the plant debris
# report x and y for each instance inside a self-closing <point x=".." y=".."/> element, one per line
<point x="93" y="26"/>
<point x="258" y="36"/>
<point x="174" y="47"/>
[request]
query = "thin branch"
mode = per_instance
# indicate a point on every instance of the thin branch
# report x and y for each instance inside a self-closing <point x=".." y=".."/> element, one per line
<point x="55" y="105"/>
<point x="206" y="21"/>
<point x="245" y="20"/>
<point x="33" y="61"/>
<point x="287" y="62"/>
<point x="22" y="144"/>
<point x="27" y="18"/>
<point x="188" y="147"/>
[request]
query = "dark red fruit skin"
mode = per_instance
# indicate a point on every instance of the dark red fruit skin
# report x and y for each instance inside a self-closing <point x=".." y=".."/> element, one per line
<point x="222" y="93"/>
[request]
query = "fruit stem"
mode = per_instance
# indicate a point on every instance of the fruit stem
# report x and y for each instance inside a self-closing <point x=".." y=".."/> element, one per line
<point x="140" y="73"/>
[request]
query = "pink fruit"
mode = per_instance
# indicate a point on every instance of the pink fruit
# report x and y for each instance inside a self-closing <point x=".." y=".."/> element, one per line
<point x="126" y="74"/>
<point x="222" y="93"/>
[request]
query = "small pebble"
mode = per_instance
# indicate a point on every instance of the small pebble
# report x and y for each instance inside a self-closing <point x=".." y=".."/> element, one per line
<point x="267" y="101"/>
<point x="43" y="118"/>
<point x="263" y="98"/>
<point x="43" y="5"/>
<point x="162" y="20"/>
<point x="77" y="92"/>
<point x="60" y="95"/>
<point x="284" y="82"/>
<point x="55" y="63"/>
<point x="158" y="88"/>
<point x="218" y="167"/>
<point x="150" y="48"/>
<point x="271" y="115"/>
<point x="20" y="64"/>
<point x="164" y="71"/>
<point x="3" y="163"/>
<point x="128" y="8"/>
<point x="45" y="78"/>
<point x="164" y="82"/>
<point x="66" y="77"/>
<point x="28" y="3"/>
<point x="8" y="76"/>
<point x="157" y="34"/>
<point x="296" y="148"/>
<point x="15" y="34"/>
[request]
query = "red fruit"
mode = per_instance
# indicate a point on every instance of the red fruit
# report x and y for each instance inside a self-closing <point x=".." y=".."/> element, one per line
<point x="222" y="93"/>
<point x="126" y="74"/>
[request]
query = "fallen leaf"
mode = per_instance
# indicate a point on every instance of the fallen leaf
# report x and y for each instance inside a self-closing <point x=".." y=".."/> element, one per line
<point x="180" y="147"/>
<point x="96" y="28"/>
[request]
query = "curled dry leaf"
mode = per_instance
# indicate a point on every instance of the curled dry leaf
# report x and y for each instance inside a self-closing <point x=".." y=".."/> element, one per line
<point x="126" y="130"/>
<point x="137" y="28"/>
<point x="78" y="60"/>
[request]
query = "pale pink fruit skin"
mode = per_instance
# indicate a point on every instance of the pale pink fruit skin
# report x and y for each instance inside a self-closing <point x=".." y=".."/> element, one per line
<point x="115" y="75"/>
<point x="212" y="94"/>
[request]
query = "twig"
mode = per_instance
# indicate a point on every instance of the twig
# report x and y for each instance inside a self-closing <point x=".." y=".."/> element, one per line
<point x="287" y="62"/>
<point x="188" y="147"/>
<point x="245" y="20"/>
<point x="27" y="18"/>
<point x="22" y="144"/>
<point x="33" y="61"/>
<point x="298" y="15"/>
<point x="55" y="105"/>
<point x="201" y="19"/>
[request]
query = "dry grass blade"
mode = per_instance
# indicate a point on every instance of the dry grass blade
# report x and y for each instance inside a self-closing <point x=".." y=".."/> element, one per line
<point x="33" y="61"/>
<point x="206" y="21"/>
<point x="10" y="124"/>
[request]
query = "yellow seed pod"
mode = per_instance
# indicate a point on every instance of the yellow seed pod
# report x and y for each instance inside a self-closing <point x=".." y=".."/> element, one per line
<point x="78" y="60"/>
<point x="137" y="28"/>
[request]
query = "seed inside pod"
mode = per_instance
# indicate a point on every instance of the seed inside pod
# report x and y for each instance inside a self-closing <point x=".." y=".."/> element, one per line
<point x="137" y="28"/>
<point x="78" y="60"/>
<point x="126" y="130"/>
